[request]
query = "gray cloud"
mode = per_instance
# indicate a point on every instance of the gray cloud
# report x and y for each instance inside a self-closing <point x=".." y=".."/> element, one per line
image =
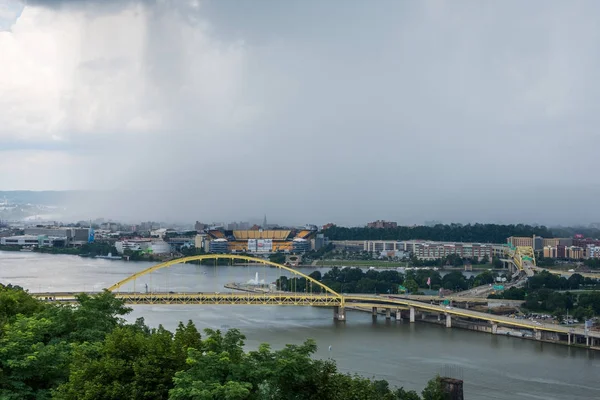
<point x="306" y="111"/>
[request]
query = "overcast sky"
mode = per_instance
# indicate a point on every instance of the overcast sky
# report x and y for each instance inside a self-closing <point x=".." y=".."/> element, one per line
<point x="308" y="111"/>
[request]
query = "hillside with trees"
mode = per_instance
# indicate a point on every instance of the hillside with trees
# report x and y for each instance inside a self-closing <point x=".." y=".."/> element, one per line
<point x="480" y="233"/>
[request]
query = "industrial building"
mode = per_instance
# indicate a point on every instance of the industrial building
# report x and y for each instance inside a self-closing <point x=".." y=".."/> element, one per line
<point x="65" y="236"/>
<point x="28" y="240"/>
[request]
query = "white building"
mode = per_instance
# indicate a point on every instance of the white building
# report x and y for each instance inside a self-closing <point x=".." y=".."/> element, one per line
<point x="593" y="251"/>
<point x="27" y="240"/>
<point x="148" y="245"/>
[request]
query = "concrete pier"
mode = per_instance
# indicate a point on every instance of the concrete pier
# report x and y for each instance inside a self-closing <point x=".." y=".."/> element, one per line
<point x="339" y="313"/>
<point x="374" y="313"/>
<point x="448" y="321"/>
<point x="388" y="313"/>
<point x="412" y="314"/>
<point x="494" y="328"/>
<point x="398" y="314"/>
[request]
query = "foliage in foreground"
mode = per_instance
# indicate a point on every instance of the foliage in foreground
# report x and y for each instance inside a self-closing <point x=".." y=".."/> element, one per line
<point x="54" y="351"/>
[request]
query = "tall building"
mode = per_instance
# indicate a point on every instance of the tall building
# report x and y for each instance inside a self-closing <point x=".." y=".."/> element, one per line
<point x="574" y="253"/>
<point x="264" y="225"/>
<point x="593" y="252"/>
<point x="517" y="241"/>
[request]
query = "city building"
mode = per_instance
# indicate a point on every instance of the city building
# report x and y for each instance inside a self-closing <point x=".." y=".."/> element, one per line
<point x="380" y="224"/>
<point x="574" y="253"/>
<point x="71" y="236"/>
<point x="550" y="252"/>
<point x="584" y="242"/>
<point x="144" y="245"/>
<point x="539" y="243"/>
<point x="437" y="250"/>
<point x="593" y="251"/>
<point x="372" y="246"/>
<point x="520" y="241"/>
<point x="29" y="240"/>
<point x="349" y="245"/>
<point x="300" y="245"/>
<point x="422" y="249"/>
<point x="551" y="242"/>
<point x="318" y="242"/>
<point x="219" y="246"/>
<point x="202" y="241"/>
<point x="566" y="252"/>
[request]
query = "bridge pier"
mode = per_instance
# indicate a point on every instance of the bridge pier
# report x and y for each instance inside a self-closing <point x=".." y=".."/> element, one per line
<point x="448" y="321"/>
<point x="374" y="313"/>
<point x="494" y="328"/>
<point x="439" y="317"/>
<point x="339" y="313"/>
<point x="538" y="335"/>
<point x="568" y="338"/>
<point x="412" y="314"/>
<point x="398" y="314"/>
<point x="388" y="313"/>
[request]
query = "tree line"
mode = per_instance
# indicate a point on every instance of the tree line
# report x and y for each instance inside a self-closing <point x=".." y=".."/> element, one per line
<point x="480" y="233"/>
<point x="546" y="292"/>
<point x="57" y="351"/>
<point x="357" y="280"/>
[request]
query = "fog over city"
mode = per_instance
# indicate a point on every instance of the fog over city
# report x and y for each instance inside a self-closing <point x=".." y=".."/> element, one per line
<point x="341" y="111"/>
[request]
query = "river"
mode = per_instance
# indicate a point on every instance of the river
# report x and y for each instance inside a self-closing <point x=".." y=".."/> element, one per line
<point x="408" y="355"/>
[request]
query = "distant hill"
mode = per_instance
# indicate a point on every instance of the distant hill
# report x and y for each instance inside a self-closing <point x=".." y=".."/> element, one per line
<point x="45" y="197"/>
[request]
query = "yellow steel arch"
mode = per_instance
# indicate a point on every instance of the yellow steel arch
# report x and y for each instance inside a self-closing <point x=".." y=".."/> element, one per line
<point x="216" y="257"/>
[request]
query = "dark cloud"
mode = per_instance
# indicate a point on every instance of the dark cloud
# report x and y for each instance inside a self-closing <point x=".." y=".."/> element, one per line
<point x="314" y="111"/>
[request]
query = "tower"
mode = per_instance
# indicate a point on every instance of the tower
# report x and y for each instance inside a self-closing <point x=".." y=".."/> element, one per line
<point x="265" y="222"/>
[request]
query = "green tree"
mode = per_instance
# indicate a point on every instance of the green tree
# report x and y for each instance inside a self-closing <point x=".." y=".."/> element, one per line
<point x="411" y="286"/>
<point x="13" y="301"/>
<point x="32" y="361"/>
<point x="434" y="390"/>
<point x="278" y="258"/>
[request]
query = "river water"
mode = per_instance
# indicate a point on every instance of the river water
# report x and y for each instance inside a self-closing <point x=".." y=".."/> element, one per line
<point x="493" y="367"/>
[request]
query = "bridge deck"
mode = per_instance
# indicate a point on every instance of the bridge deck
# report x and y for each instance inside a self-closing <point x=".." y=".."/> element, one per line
<point x="323" y="300"/>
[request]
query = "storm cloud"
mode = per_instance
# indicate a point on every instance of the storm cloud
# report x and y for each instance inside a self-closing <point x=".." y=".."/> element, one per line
<point x="306" y="111"/>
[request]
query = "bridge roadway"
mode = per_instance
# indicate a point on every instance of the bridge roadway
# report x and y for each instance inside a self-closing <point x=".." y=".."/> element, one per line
<point x="322" y="300"/>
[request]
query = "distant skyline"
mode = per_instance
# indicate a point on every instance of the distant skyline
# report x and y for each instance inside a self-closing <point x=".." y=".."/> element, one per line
<point x="457" y="111"/>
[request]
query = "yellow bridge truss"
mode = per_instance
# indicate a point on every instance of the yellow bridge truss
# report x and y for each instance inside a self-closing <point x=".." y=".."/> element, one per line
<point x="522" y="254"/>
<point x="329" y="297"/>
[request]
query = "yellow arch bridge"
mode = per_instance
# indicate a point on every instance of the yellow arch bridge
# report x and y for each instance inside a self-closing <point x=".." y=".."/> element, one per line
<point x="323" y="296"/>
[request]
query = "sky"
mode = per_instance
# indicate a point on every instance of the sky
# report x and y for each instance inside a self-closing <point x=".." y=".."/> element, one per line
<point x="307" y="111"/>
